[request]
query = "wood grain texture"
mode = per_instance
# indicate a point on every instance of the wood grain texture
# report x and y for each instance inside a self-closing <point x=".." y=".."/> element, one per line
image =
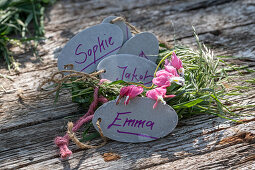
<point x="28" y="127"/>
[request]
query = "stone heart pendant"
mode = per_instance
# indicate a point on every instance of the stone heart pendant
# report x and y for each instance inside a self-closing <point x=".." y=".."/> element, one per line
<point x="136" y="122"/>
<point x="86" y="49"/>
<point x="127" y="67"/>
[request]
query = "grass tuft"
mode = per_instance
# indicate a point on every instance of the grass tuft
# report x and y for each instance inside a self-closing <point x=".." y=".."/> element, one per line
<point x="17" y="18"/>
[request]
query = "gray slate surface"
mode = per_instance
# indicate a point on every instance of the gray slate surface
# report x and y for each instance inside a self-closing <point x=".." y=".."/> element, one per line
<point x="136" y="122"/>
<point x="129" y="68"/>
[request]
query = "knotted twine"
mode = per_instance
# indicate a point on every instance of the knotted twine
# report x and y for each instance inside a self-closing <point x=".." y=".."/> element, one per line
<point x="62" y="142"/>
<point x="83" y="76"/>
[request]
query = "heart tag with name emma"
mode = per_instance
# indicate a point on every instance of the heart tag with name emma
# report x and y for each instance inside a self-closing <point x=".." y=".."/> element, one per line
<point x="129" y="68"/>
<point x="135" y="122"/>
<point x="125" y="30"/>
<point x="144" y="45"/>
<point x="86" y="49"/>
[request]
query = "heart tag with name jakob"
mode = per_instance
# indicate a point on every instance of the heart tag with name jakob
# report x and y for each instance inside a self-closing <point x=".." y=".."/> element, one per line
<point x="143" y="45"/>
<point x="125" y="30"/>
<point x="127" y="67"/>
<point x="86" y="49"/>
<point x="135" y="122"/>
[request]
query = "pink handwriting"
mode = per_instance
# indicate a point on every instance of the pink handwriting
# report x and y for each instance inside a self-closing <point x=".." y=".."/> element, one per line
<point x="131" y="123"/>
<point x="95" y="51"/>
<point x="142" y="54"/>
<point x="137" y="134"/>
<point x="133" y="76"/>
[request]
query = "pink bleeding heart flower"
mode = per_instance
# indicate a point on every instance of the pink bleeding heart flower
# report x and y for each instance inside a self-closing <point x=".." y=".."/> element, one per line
<point x="164" y="78"/>
<point x="104" y="81"/>
<point x="158" y="94"/>
<point x="167" y="62"/>
<point x="177" y="63"/>
<point x="164" y="73"/>
<point x="130" y="91"/>
<point x="171" y="70"/>
<point x="123" y="92"/>
<point x="161" y="81"/>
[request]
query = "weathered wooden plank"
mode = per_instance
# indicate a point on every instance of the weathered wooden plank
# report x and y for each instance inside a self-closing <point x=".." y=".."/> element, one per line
<point x="18" y="112"/>
<point x="198" y="137"/>
<point x="28" y="139"/>
<point x="107" y="7"/>
<point x="196" y="140"/>
<point x="219" y="159"/>
<point x="206" y="20"/>
<point x="237" y="41"/>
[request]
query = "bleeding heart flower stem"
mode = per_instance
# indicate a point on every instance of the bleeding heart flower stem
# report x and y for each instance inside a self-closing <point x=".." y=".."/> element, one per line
<point x="130" y="92"/>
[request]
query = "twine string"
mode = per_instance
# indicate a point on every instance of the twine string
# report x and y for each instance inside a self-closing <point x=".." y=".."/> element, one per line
<point x="62" y="142"/>
<point x="135" y="30"/>
<point x="81" y="145"/>
<point x="83" y="76"/>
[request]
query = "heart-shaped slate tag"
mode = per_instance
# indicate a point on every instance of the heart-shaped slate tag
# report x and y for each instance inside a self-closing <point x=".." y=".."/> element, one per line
<point x="136" y="122"/>
<point x="144" y="45"/>
<point x="125" y="30"/>
<point x="127" y="67"/>
<point x="86" y="49"/>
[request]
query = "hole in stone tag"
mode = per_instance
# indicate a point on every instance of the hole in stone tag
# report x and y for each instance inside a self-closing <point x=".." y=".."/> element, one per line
<point x="68" y="66"/>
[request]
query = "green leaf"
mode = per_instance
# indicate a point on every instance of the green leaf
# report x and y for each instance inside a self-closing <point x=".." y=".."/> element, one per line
<point x="82" y="92"/>
<point x="188" y="104"/>
<point x="90" y="137"/>
<point x="46" y="1"/>
<point x="87" y="127"/>
<point x="233" y="94"/>
<point x="56" y="96"/>
<point x="252" y="81"/>
<point x="4" y="4"/>
<point x="220" y="105"/>
<point x="216" y="114"/>
<point x="27" y="21"/>
<point x="117" y="82"/>
<point x="20" y="22"/>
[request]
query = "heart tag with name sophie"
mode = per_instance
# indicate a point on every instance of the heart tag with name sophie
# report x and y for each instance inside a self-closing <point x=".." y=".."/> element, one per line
<point x="129" y="68"/>
<point x="86" y="49"/>
<point x="143" y="45"/>
<point x="125" y="30"/>
<point x="135" y="122"/>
